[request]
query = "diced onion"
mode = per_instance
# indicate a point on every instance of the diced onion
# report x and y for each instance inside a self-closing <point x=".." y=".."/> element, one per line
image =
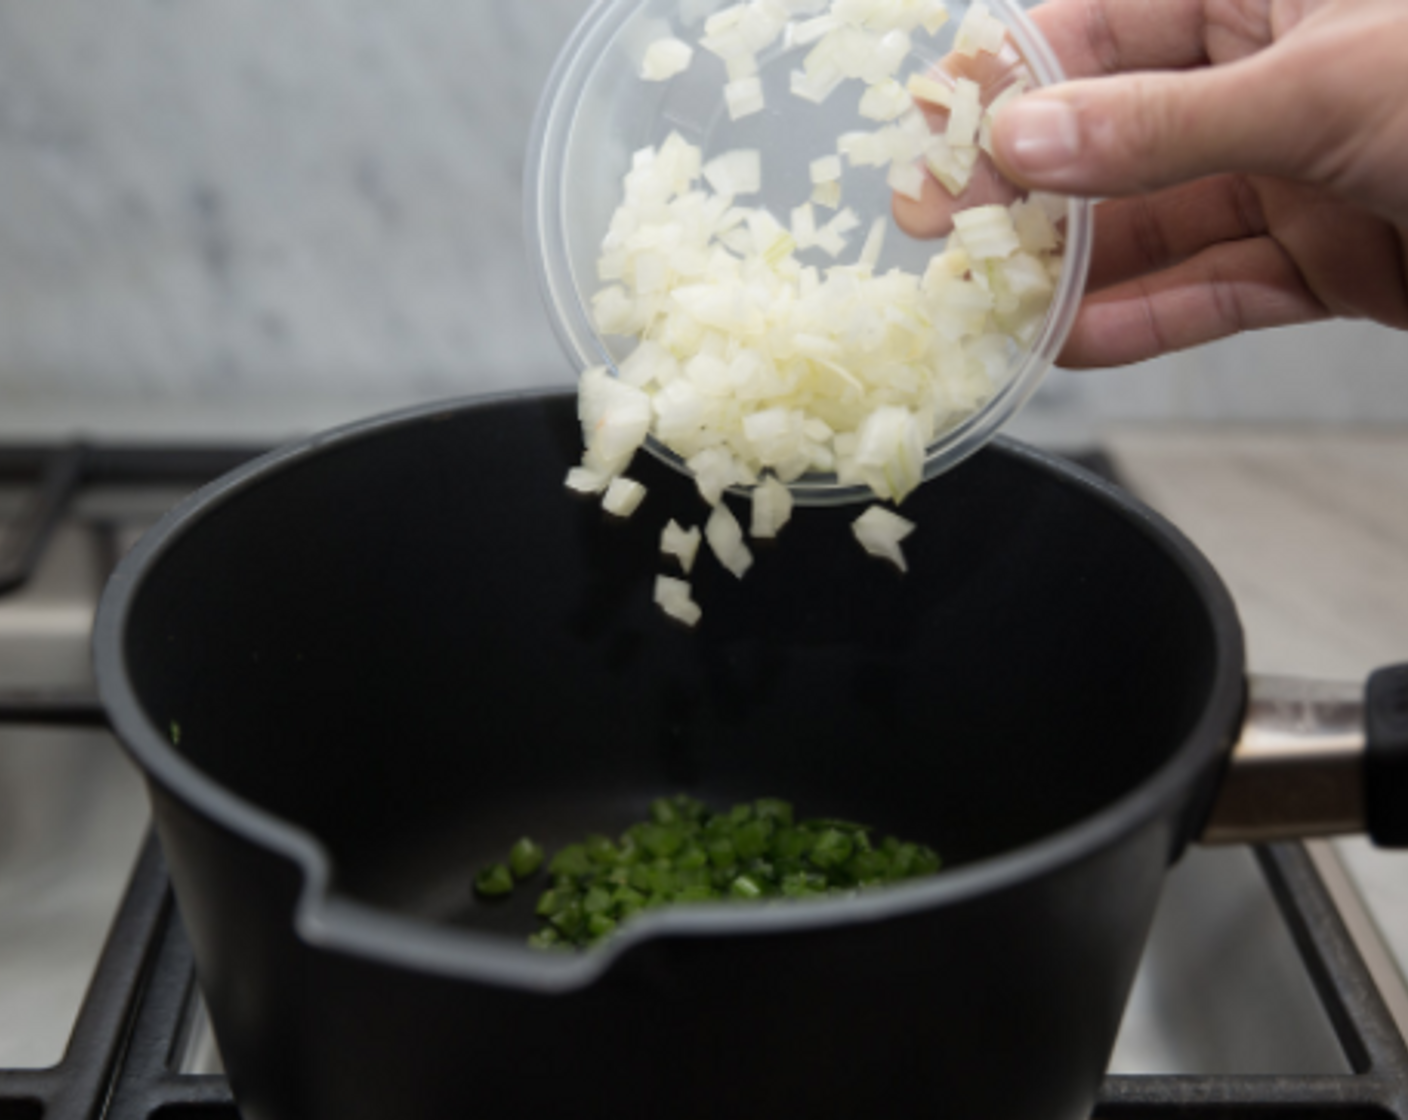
<point x="987" y="232"/>
<point x="885" y="101"/>
<point x="615" y="420"/>
<point x="890" y="451"/>
<point x="584" y="480"/>
<point x="935" y="15"/>
<point x="665" y="58"/>
<point x="880" y="532"/>
<point x="827" y="169"/>
<point x="953" y="167"/>
<point x="772" y="508"/>
<point x="744" y="98"/>
<point x="682" y="544"/>
<point x="623" y="497"/>
<point x="979" y="31"/>
<point x="827" y="194"/>
<point x="754" y="356"/>
<point x="736" y="172"/>
<point x="928" y="90"/>
<point x="907" y="179"/>
<point x="725" y="537"/>
<point x="964" y="114"/>
<point x="674" y="598"/>
<point x="874" y="245"/>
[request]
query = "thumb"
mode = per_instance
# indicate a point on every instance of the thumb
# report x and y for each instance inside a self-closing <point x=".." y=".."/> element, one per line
<point x="1128" y="134"/>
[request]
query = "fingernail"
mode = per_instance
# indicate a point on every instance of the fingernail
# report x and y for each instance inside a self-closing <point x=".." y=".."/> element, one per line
<point x="1044" y="134"/>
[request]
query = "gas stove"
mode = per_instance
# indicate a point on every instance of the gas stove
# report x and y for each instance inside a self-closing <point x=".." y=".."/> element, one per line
<point x="1263" y="992"/>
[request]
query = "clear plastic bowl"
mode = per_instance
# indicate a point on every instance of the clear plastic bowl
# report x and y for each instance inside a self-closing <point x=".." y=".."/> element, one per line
<point x="597" y="111"/>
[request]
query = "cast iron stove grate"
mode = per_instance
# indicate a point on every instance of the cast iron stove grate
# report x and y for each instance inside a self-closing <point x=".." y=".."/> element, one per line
<point x="122" y="1060"/>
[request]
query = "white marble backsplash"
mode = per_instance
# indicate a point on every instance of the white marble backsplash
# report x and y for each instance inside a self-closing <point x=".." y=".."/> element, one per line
<point x="268" y="199"/>
<point x="268" y="215"/>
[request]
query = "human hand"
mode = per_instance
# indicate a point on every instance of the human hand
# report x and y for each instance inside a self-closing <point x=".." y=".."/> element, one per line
<point x="1254" y="158"/>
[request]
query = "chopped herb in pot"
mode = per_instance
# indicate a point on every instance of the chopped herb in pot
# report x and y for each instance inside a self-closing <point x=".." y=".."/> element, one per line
<point x="494" y="882"/>
<point x="524" y="858"/>
<point x="686" y="853"/>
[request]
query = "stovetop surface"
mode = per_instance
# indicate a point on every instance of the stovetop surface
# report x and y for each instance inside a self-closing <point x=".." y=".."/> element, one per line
<point x="1252" y="999"/>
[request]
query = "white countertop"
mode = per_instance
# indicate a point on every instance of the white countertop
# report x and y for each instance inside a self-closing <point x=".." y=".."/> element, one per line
<point x="1309" y="529"/>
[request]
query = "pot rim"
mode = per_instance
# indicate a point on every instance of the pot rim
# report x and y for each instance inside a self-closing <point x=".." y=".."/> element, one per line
<point x="326" y="919"/>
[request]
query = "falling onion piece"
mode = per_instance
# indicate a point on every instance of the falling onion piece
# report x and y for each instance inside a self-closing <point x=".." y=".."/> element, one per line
<point x="880" y="532"/>
<point x="682" y="544"/>
<point x="673" y="597"/>
<point x="725" y="537"/>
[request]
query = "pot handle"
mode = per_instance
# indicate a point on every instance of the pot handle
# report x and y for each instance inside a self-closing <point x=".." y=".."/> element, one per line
<point x="1316" y="759"/>
<point x="1386" y="757"/>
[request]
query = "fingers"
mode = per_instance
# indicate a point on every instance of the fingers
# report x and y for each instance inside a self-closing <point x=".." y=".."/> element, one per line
<point x="1148" y="233"/>
<point x="1238" y="286"/>
<point x="1126" y="135"/>
<point x="1093" y="38"/>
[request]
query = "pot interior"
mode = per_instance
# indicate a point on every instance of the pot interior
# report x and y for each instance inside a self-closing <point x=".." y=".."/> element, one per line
<point x="416" y="644"/>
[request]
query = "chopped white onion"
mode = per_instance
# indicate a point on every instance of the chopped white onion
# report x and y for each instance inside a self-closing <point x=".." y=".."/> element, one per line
<point x="827" y="194"/>
<point x="964" y="114"/>
<point x="885" y="101"/>
<point x="744" y="98"/>
<point x="890" y="451"/>
<point x="815" y="88"/>
<point x="741" y="66"/>
<point x="987" y="232"/>
<point x="674" y="598"/>
<point x="811" y="30"/>
<point x="907" y="179"/>
<point x="725" y="537"/>
<point x="682" y="544"/>
<point x="749" y="358"/>
<point x="860" y="148"/>
<point x="772" y="508"/>
<point x="928" y="90"/>
<point x="1035" y="229"/>
<point x="880" y="532"/>
<point x="804" y="225"/>
<point x="665" y="58"/>
<point x="935" y="15"/>
<point x="623" y="497"/>
<point x="827" y="169"/>
<point x="953" y="167"/>
<point x="736" y="172"/>
<point x="615" y="420"/>
<point x="584" y="480"/>
<point x="979" y="31"/>
<point x="874" y="245"/>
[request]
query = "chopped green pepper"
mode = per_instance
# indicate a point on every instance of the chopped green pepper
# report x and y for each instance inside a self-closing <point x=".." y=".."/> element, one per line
<point x="524" y="858"/>
<point x="494" y="882"/>
<point x="686" y="854"/>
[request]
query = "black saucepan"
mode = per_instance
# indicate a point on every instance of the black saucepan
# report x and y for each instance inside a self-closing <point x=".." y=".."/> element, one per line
<point x="356" y="670"/>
